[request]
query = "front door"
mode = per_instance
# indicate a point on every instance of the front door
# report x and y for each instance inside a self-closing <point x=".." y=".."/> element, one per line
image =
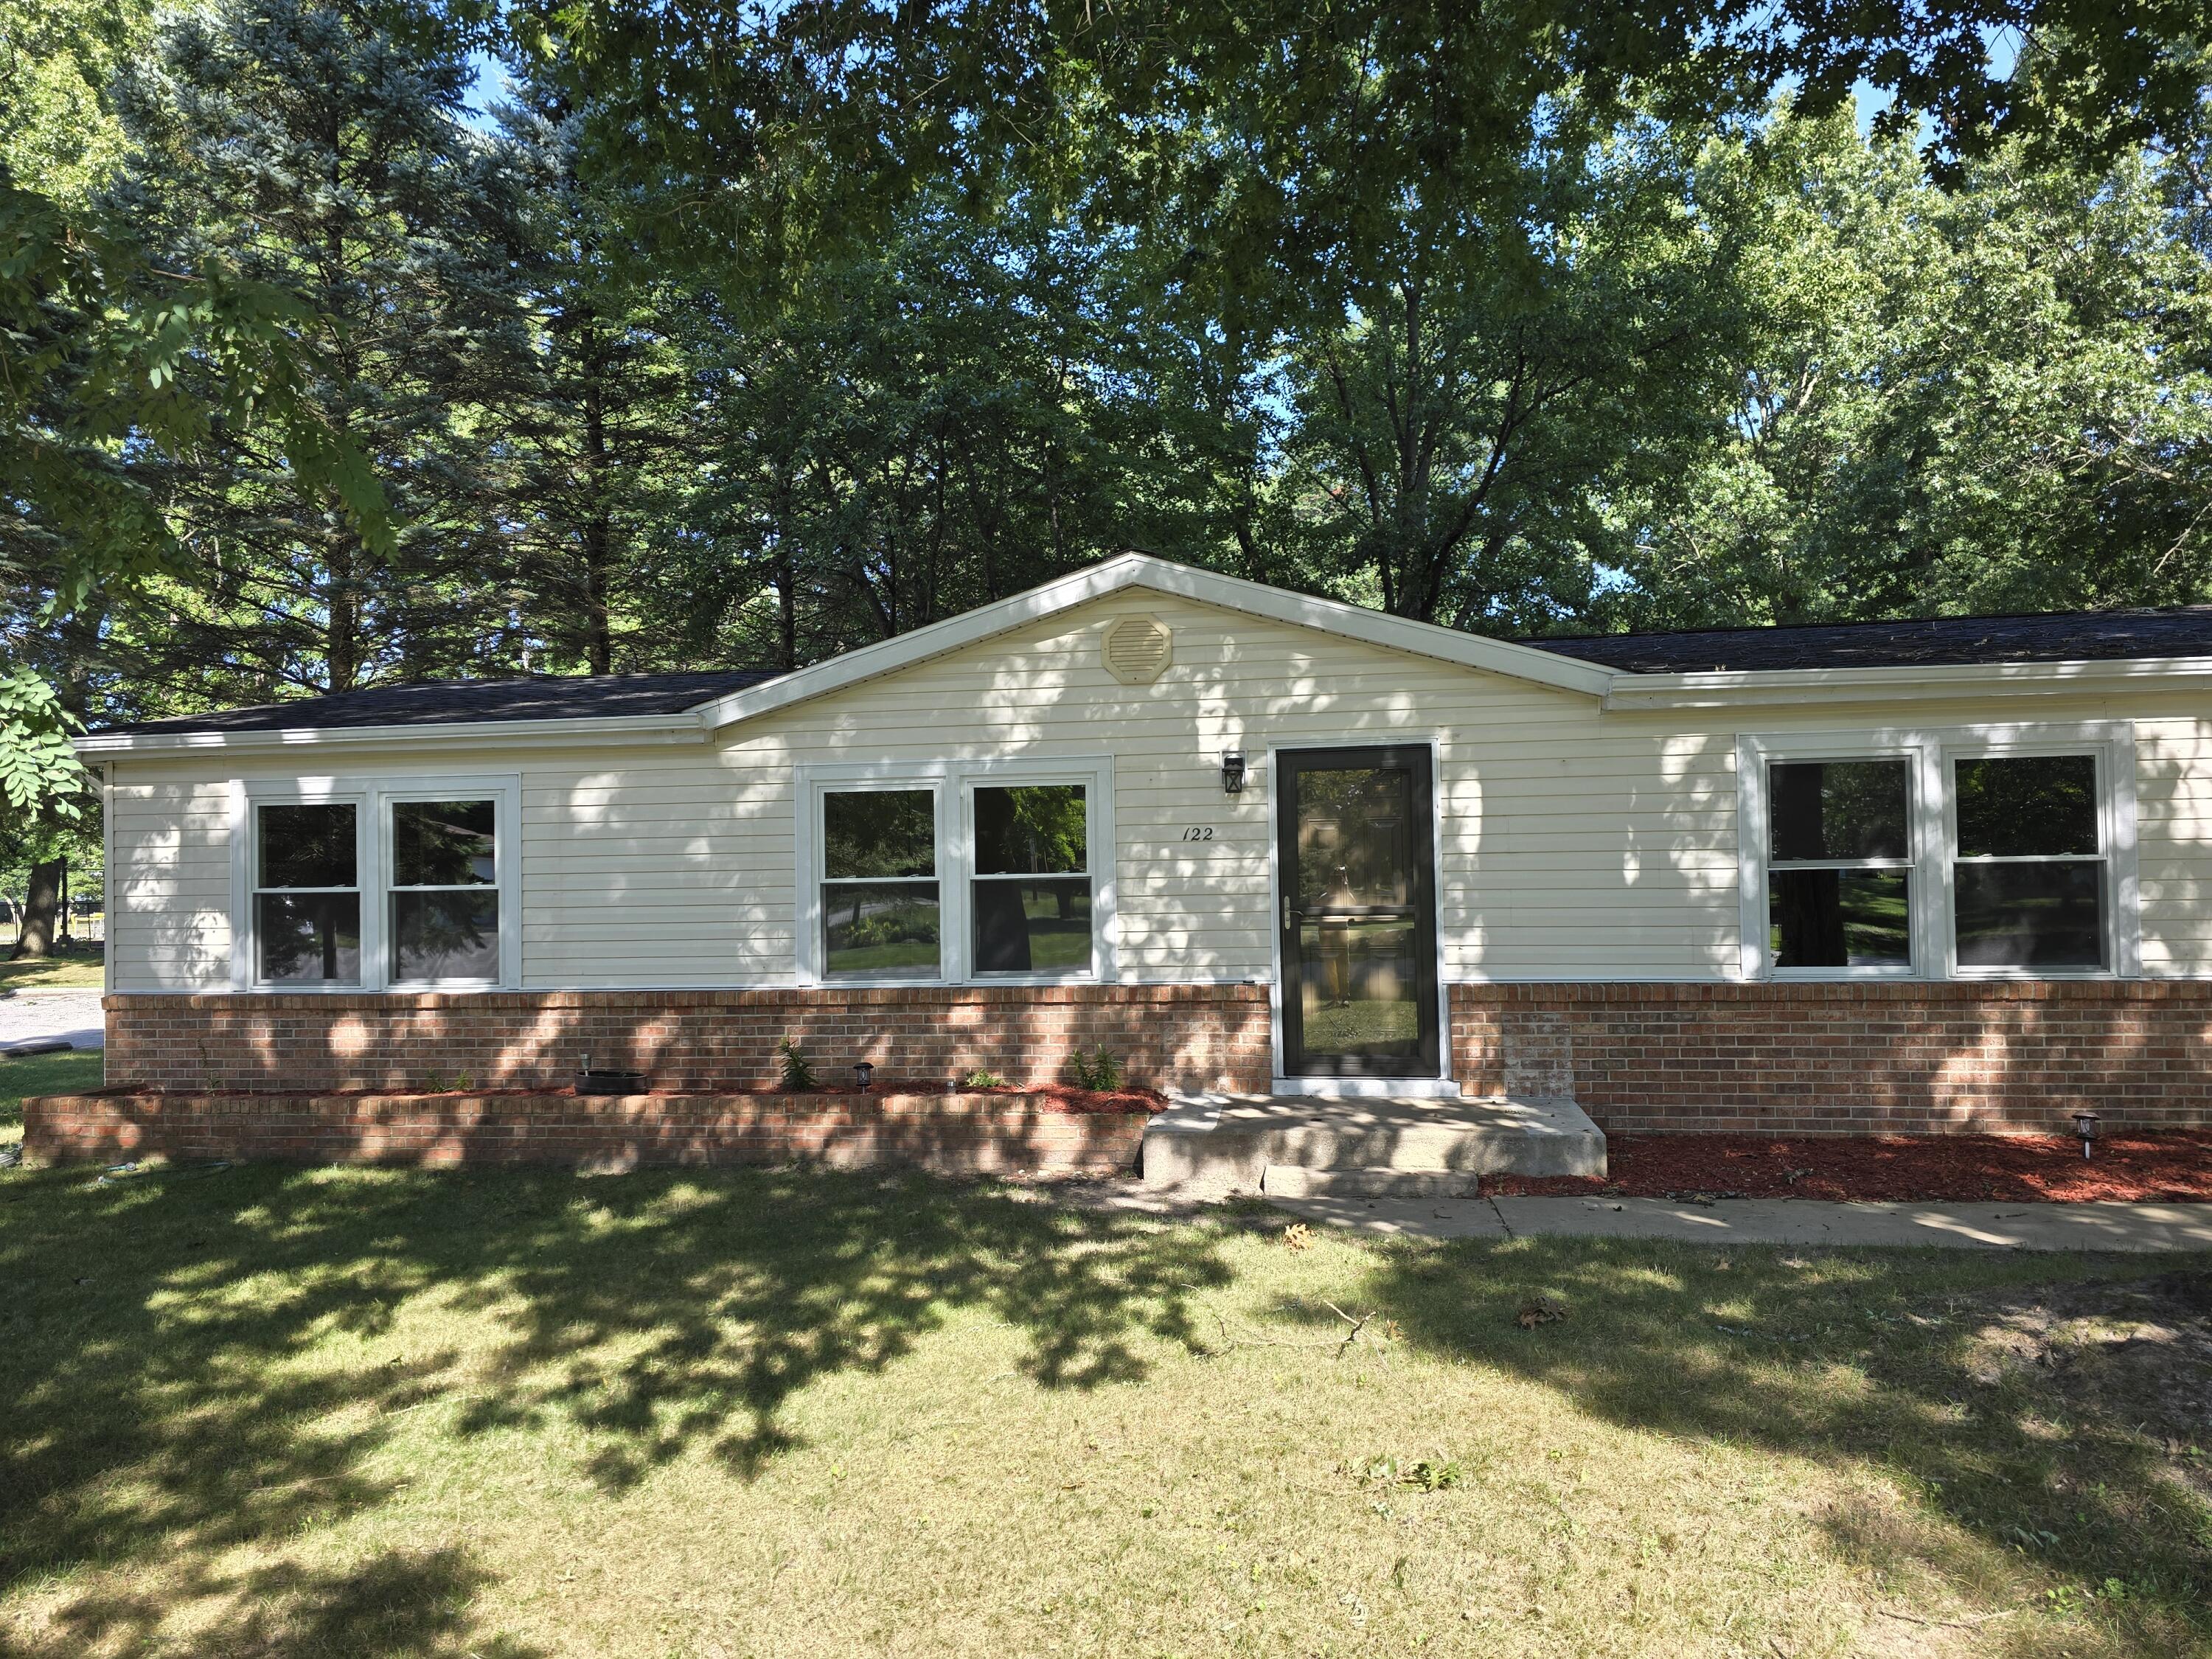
<point x="1357" y="858"/>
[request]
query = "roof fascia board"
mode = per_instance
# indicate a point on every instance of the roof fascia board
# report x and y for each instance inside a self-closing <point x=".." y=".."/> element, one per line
<point x="1520" y="662"/>
<point x="1905" y="681"/>
<point x="684" y="727"/>
<point x="1138" y="570"/>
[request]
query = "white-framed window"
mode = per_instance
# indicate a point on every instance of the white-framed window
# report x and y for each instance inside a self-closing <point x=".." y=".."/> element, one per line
<point x="1967" y="852"/>
<point x="1839" y="864"/>
<point x="304" y="920"/>
<point x="990" y="871"/>
<point x="442" y="916"/>
<point x="882" y="902"/>
<point x="1032" y="896"/>
<point x="369" y="882"/>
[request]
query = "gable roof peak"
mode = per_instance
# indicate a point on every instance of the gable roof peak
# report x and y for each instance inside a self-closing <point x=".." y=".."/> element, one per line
<point x="1132" y="569"/>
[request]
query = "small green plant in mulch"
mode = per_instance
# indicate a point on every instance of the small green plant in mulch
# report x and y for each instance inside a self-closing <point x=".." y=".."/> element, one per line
<point x="1100" y="1071"/>
<point x="794" y="1070"/>
<point x="984" y="1080"/>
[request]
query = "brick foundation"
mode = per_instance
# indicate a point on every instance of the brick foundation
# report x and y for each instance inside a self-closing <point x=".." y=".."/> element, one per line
<point x="1186" y="1036"/>
<point x="1762" y="1058"/>
<point x="952" y="1134"/>
<point x="1847" y="1059"/>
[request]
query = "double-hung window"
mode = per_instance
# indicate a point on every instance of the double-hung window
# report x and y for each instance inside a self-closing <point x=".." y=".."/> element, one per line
<point x="444" y="926"/>
<point x="1030" y="896"/>
<point x="1840" y="865"/>
<point x="2029" y="874"/>
<point x="306" y="893"/>
<point x="376" y="882"/>
<point x="954" y="871"/>
<point x="881" y="914"/>
<point x="1949" y="854"/>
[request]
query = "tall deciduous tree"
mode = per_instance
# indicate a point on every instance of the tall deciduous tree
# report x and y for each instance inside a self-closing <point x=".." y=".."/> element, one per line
<point x="1993" y="397"/>
<point x="920" y="432"/>
<point x="1493" y="383"/>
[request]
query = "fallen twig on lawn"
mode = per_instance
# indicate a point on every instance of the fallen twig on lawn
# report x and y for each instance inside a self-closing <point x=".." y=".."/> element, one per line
<point x="1357" y="1322"/>
<point x="1967" y="1622"/>
<point x="1358" y="1325"/>
<point x="432" y="1400"/>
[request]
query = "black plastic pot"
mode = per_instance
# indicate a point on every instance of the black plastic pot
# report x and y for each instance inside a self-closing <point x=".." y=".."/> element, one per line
<point x="611" y="1083"/>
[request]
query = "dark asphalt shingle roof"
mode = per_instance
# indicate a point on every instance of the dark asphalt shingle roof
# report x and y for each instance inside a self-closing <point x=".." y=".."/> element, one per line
<point x="2074" y="636"/>
<point x="450" y="702"/>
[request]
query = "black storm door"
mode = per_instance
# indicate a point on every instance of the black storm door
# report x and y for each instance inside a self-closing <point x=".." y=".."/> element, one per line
<point x="1358" y="871"/>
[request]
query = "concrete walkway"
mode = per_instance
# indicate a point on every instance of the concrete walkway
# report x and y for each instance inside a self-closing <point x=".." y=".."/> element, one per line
<point x="71" y="1015"/>
<point x="1778" y="1221"/>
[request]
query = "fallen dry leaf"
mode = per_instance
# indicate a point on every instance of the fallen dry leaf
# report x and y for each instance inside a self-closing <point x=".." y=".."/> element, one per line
<point x="1544" y="1309"/>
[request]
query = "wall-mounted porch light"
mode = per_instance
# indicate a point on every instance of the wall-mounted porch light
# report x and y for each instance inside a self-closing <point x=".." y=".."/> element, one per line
<point x="863" y="1074"/>
<point x="2085" y="1125"/>
<point x="1232" y="772"/>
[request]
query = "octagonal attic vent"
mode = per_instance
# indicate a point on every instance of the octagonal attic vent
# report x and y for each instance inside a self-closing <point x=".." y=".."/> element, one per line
<point x="1137" y="650"/>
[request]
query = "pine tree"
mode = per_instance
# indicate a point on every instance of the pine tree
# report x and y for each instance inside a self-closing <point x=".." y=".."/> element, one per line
<point x="591" y="431"/>
<point x="304" y="145"/>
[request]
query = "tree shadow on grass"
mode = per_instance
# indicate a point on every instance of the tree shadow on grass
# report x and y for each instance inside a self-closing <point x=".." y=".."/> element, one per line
<point x="702" y="1306"/>
<point x="399" y="1605"/>
<point x="171" y="1393"/>
<point x="1880" y="1359"/>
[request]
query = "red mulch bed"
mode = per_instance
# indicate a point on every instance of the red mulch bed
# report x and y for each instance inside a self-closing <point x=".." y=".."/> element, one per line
<point x="2003" y="1169"/>
<point x="1078" y="1101"/>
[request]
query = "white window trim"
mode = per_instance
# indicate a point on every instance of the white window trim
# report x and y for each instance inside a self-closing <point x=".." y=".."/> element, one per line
<point x="1930" y="754"/>
<point x="371" y="799"/>
<point x="1096" y="778"/>
<point x="506" y="796"/>
<point x="2116" y="836"/>
<point x="953" y="783"/>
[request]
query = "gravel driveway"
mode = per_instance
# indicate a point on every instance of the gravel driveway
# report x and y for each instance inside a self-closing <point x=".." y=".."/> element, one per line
<point x="74" y="1016"/>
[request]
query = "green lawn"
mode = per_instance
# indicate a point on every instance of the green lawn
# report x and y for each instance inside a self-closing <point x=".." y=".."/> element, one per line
<point x="80" y="969"/>
<point x="41" y="1074"/>
<point x="271" y="1413"/>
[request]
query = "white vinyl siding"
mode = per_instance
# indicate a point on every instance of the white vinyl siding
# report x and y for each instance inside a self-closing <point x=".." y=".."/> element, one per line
<point x="169" y="884"/>
<point x="2173" y="845"/>
<point x="1574" y="843"/>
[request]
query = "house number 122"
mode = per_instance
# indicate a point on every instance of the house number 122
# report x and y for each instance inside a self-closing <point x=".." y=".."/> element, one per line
<point x="1199" y="832"/>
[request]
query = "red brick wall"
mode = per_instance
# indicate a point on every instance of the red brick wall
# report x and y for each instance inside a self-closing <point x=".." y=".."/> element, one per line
<point x="1856" y="1058"/>
<point x="957" y="1134"/>
<point x="1191" y="1036"/>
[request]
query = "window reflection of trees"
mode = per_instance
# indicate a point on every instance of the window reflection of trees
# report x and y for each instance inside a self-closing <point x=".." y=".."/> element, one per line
<point x="444" y="908"/>
<point x="304" y="936"/>
<point x="1353" y="838"/>
<point x="1041" y="924"/>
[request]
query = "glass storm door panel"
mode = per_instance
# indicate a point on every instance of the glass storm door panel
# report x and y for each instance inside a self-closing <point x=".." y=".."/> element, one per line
<point x="1359" y="921"/>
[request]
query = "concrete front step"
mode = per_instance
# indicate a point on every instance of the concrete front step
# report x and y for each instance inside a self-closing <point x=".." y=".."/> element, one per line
<point x="1295" y="1181"/>
<point x="1216" y="1143"/>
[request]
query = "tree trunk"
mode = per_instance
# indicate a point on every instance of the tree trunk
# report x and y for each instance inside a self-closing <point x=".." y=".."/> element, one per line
<point x="40" y="904"/>
<point x="341" y="634"/>
<point x="786" y="605"/>
<point x="599" y="526"/>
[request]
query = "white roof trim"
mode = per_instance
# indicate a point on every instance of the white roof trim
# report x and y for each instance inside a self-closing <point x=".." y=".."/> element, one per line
<point x="1140" y="570"/>
<point x="684" y="727"/>
<point x="1906" y="682"/>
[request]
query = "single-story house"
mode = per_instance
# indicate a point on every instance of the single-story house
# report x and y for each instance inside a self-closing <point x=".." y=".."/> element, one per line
<point x="1912" y="876"/>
